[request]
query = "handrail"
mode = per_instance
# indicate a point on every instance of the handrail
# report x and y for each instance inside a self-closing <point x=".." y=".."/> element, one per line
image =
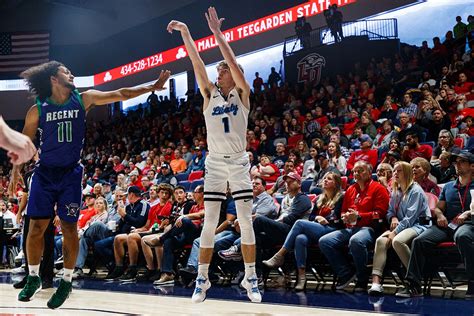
<point x="374" y="29"/>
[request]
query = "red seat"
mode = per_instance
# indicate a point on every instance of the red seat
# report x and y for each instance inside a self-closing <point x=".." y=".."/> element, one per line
<point x="459" y="142"/>
<point x="195" y="175"/>
<point x="313" y="197"/>
<point x="269" y="185"/>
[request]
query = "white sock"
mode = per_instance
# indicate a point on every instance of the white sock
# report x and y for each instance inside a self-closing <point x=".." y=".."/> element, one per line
<point x="67" y="276"/>
<point x="34" y="269"/>
<point x="249" y="269"/>
<point x="203" y="269"/>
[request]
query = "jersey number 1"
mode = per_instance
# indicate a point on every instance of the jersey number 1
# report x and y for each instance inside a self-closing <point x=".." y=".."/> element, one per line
<point x="225" y="121"/>
<point x="65" y="128"/>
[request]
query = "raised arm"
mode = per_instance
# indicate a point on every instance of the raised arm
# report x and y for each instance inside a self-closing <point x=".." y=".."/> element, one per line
<point x="205" y="85"/>
<point x="96" y="97"/>
<point x="215" y="25"/>
<point x="20" y="147"/>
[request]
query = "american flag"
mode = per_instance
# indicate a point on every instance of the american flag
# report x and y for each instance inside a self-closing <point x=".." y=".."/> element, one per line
<point x="19" y="51"/>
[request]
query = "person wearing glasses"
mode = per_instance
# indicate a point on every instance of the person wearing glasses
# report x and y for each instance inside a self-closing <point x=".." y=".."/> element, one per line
<point x="445" y="143"/>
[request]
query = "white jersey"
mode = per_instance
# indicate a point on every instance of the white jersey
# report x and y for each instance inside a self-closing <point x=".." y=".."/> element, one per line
<point x="226" y="123"/>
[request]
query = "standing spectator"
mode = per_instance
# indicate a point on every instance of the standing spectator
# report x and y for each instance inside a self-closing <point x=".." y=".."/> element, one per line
<point x="273" y="78"/>
<point x="460" y="32"/>
<point x="257" y="84"/>
<point x="363" y="201"/>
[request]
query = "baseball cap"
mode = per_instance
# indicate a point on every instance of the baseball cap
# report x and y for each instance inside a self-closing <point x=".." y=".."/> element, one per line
<point x="197" y="148"/>
<point x="165" y="165"/>
<point x="134" y="189"/>
<point x="323" y="154"/>
<point x="462" y="154"/>
<point x="90" y="194"/>
<point x="365" y="138"/>
<point x="293" y="175"/>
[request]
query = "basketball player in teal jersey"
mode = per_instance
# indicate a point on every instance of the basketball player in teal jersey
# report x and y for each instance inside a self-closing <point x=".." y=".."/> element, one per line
<point x="226" y="109"/>
<point x="60" y="117"/>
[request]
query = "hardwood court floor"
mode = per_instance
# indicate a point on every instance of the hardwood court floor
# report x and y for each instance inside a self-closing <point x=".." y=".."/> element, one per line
<point x="97" y="297"/>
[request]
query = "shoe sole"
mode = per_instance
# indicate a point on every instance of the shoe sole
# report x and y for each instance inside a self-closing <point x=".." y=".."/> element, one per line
<point x="51" y="307"/>
<point x="231" y="258"/>
<point x="253" y="300"/>
<point x="32" y="296"/>
<point x="163" y="283"/>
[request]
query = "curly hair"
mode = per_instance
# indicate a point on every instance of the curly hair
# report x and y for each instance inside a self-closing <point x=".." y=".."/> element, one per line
<point x="38" y="78"/>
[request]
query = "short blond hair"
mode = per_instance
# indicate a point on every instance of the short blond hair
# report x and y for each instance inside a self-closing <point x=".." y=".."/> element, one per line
<point x="224" y="64"/>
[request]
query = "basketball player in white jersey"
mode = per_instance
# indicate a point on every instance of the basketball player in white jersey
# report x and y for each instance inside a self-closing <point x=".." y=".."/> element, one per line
<point x="226" y="108"/>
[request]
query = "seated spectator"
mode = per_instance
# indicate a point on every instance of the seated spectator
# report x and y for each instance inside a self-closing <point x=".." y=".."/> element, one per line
<point x="421" y="172"/>
<point x="86" y="214"/>
<point x="279" y="187"/>
<point x="224" y="238"/>
<point x="178" y="164"/>
<point x="366" y="153"/>
<point x="367" y="125"/>
<point x="280" y="156"/>
<point x="197" y="163"/>
<point x="325" y="167"/>
<point x="185" y="229"/>
<point x="186" y="154"/>
<point x="393" y="154"/>
<point x="407" y="127"/>
<point x="266" y="170"/>
<point x="407" y="107"/>
<point x="157" y="216"/>
<point x="364" y="200"/>
<point x="310" y="165"/>
<point x="384" y="137"/>
<point x="344" y="150"/>
<point x="414" y="149"/>
<point x="384" y="175"/>
<point x="464" y="87"/>
<point x="325" y="218"/>
<point x="452" y="213"/>
<point x="387" y="112"/>
<point x="336" y="159"/>
<point x="270" y="232"/>
<point x="295" y="156"/>
<point x="99" y="231"/>
<point x="135" y="180"/>
<point x="407" y="203"/>
<point x="445" y="143"/>
<point x="134" y="215"/>
<point x="437" y="122"/>
<point x="166" y="175"/>
<point x="444" y="171"/>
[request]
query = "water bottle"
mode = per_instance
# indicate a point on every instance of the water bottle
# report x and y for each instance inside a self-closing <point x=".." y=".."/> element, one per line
<point x="154" y="228"/>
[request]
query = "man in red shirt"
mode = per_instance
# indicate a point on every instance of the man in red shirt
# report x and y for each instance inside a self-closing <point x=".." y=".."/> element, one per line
<point x="414" y="149"/>
<point x="86" y="214"/>
<point x="363" y="202"/>
<point x="464" y="87"/>
<point x="364" y="154"/>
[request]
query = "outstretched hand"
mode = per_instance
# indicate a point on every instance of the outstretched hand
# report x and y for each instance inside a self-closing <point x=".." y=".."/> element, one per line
<point x="19" y="146"/>
<point x="213" y="20"/>
<point x="164" y="75"/>
<point x="176" y="26"/>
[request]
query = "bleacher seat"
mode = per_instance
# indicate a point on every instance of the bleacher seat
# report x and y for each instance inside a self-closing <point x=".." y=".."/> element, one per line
<point x="195" y="175"/>
<point x="459" y="142"/>
<point x="432" y="144"/>
<point x="181" y="176"/>
<point x="195" y="183"/>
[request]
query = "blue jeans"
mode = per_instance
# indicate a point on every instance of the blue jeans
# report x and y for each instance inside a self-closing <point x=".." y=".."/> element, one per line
<point x="301" y="235"/>
<point x="359" y="240"/>
<point x="104" y="249"/>
<point x="223" y="240"/>
<point x="175" y="238"/>
<point x="95" y="232"/>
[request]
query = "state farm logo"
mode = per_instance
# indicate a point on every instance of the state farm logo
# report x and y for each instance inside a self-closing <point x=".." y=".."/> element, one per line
<point x="181" y="53"/>
<point x="107" y="76"/>
<point x="310" y="67"/>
